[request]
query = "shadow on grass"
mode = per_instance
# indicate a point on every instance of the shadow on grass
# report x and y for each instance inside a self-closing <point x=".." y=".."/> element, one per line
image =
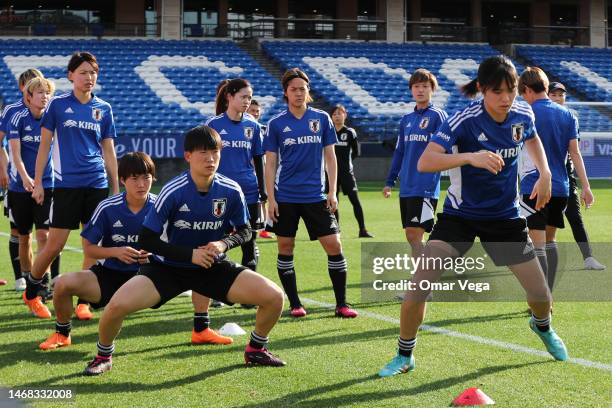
<point x="304" y="398"/>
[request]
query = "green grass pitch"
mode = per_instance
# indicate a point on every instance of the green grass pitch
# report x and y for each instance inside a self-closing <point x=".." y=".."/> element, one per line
<point x="331" y="362"/>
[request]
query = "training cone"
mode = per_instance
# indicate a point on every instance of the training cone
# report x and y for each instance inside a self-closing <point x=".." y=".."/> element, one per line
<point x="231" y="329"/>
<point x="471" y="397"/>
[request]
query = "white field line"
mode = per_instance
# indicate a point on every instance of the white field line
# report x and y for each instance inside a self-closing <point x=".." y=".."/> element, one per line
<point x="440" y="330"/>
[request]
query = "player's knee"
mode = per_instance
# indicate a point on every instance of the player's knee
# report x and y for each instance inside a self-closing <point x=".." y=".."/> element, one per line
<point x="25" y="239"/>
<point x="413" y="235"/>
<point x="274" y="298"/>
<point x="116" y="308"/>
<point x="286" y="248"/>
<point x="62" y="286"/>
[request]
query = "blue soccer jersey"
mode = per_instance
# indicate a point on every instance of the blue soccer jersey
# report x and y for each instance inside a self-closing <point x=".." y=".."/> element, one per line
<point x="556" y="126"/>
<point x="26" y="128"/>
<point x="416" y="130"/>
<point x="113" y="224"/>
<point x="241" y="142"/>
<point x="476" y="193"/>
<point x="185" y="217"/>
<point x="79" y="129"/>
<point x="299" y="143"/>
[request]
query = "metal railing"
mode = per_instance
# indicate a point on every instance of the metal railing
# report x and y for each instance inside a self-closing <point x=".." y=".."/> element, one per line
<point x="93" y="29"/>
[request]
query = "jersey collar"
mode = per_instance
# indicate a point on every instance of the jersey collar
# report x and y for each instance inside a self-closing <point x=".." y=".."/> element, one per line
<point x="421" y="111"/>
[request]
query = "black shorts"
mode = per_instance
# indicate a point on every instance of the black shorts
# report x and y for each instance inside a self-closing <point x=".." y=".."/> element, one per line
<point x="418" y="212"/>
<point x="551" y="214"/>
<point x="214" y="282"/>
<point x="506" y="241"/>
<point x="346" y="182"/>
<point x="109" y="280"/>
<point x="318" y="219"/>
<point x="25" y="212"/>
<point x="71" y="207"/>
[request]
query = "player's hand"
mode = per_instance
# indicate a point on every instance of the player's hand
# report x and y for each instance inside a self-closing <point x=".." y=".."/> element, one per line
<point x="4" y="179"/>
<point x="332" y="202"/>
<point x="487" y="160"/>
<point x="541" y="190"/>
<point x="387" y="192"/>
<point x="216" y="248"/>
<point x="202" y="257"/>
<point x="28" y="184"/>
<point x="38" y="194"/>
<point x="587" y="197"/>
<point x="272" y="210"/>
<point x="143" y="257"/>
<point x="127" y="255"/>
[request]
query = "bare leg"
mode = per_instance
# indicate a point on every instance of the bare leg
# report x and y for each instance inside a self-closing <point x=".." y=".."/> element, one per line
<point x="83" y="284"/>
<point x="55" y="243"/>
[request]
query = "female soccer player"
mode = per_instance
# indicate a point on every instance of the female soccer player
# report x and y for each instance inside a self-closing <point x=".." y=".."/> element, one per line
<point x="302" y="140"/>
<point x="111" y="236"/>
<point x="195" y="210"/>
<point x="255" y="111"/>
<point x="7" y="113"/>
<point x="485" y="140"/>
<point x="81" y="127"/>
<point x="558" y="130"/>
<point x="419" y="191"/>
<point x="557" y="92"/>
<point x="347" y="149"/>
<point x="24" y="139"/>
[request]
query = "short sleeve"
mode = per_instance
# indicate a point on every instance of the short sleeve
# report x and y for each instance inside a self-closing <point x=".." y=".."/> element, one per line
<point x="13" y="127"/>
<point x="49" y="119"/>
<point x="270" y="142"/>
<point x="160" y="212"/>
<point x="530" y="129"/>
<point x="239" y="211"/>
<point x="108" y="129"/>
<point x="94" y="231"/>
<point x="445" y="136"/>
<point x="257" y="142"/>
<point x="329" y="132"/>
<point x="574" y="128"/>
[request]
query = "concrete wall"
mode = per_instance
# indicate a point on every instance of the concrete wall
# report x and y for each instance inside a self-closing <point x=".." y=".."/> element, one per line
<point x="395" y="20"/>
<point x="171" y="20"/>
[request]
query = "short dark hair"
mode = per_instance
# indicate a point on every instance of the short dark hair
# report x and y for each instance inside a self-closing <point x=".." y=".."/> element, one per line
<point x="80" y="57"/>
<point x="339" y="107"/>
<point x="291" y="74"/>
<point x="491" y="73"/>
<point x="254" y="102"/>
<point x="533" y="78"/>
<point x="423" y="75"/>
<point x="202" y="137"/>
<point x="136" y="164"/>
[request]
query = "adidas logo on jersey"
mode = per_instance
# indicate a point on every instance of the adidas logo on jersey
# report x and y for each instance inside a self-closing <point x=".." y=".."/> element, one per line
<point x="483" y="138"/>
<point x="28" y="128"/>
<point x="69" y="110"/>
<point x="223" y="132"/>
<point x="118" y="224"/>
<point x="414" y="219"/>
<point x="184" y="208"/>
<point x="286" y="129"/>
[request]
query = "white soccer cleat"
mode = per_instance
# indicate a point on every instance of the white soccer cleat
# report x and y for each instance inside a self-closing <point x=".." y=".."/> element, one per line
<point x="593" y="264"/>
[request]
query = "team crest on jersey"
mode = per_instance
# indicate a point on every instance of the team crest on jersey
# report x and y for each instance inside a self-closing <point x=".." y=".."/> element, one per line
<point x="96" y="114"/>
<point x="518" y="130"/>
<point x="424" y="123"/>
<point x="314" y="125"/>
<point x="248" y="132"/>
<point x="219" y="205"/>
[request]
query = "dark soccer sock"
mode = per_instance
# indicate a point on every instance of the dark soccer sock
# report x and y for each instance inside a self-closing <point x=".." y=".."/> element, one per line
<point x="63" y="328"/>
<point x="55" y="267"/>
<point x="201" y="321"/>
<point x="357" y="209"/>
<point x="33" y="286"/>
<point x="405" y="347"/>
<point x="542" y="324"/>
<point x="249" y="249"/>
<point x="541" y="254"/>
<point x="286" y="273"/>
<point x="45" y="280"/>
<point x="552" y="255"/>
<point x="14" y="254"/>
<point x="82" y="302"/>
<point x="257" y="341"/>
<point x="106" y="351"/>
<point x="336" y="265"/>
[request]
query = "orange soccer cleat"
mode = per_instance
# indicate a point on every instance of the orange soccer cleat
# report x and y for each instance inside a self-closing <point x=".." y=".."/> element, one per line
<point x="209" y="336"/>
<point x="83" y="312"/>
<point x="56" y="340"/>
<point x="37" y="307"/>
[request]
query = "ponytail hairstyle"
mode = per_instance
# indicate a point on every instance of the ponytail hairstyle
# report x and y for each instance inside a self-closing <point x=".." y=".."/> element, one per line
<point x="491" y="73"/>
<point x="232" y="87"/>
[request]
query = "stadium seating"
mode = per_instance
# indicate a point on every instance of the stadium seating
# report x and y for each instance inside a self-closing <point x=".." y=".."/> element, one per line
<point x="154" y="86"/>
<point x="586" y="71"/>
